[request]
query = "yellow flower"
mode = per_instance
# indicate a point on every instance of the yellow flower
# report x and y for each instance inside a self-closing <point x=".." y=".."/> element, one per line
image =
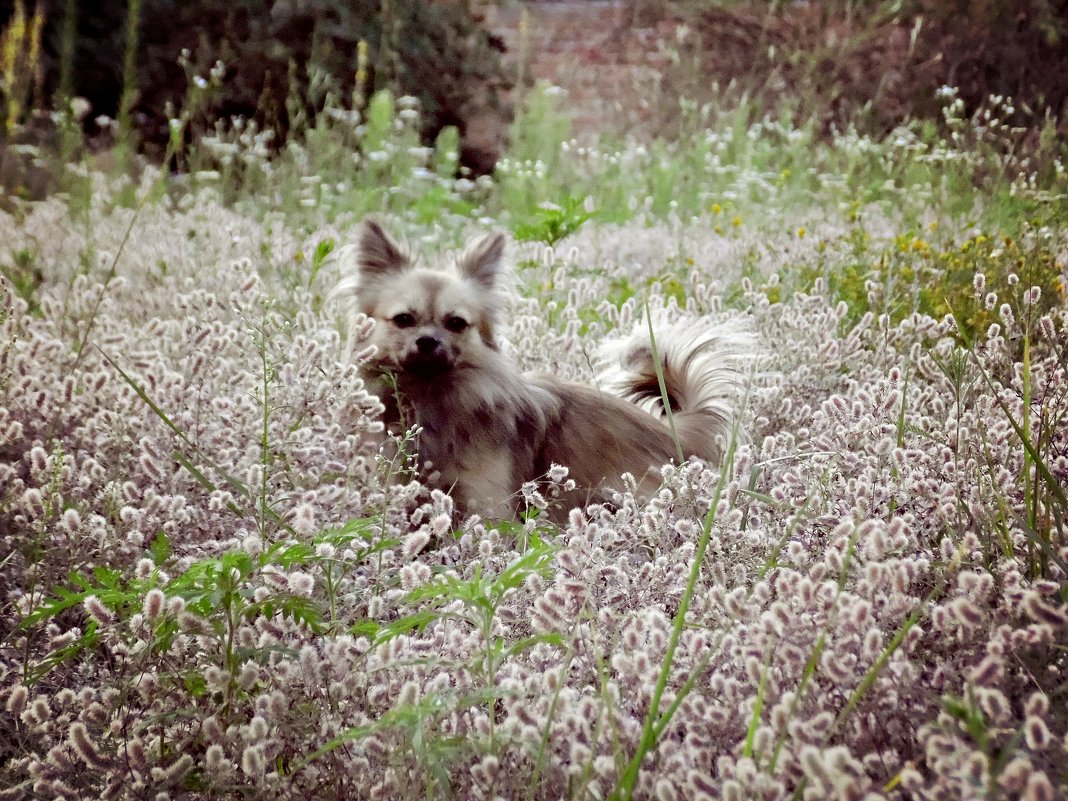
<point x="717" y="209"/>
<point x="801" y="232"/>
<point x="736" y="221"/>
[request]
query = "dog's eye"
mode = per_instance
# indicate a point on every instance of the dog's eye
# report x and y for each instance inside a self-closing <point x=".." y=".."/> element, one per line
<point x="403" y="320"/>
<point x="455" y="324"/>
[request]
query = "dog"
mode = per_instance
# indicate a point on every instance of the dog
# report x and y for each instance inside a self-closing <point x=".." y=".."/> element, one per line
<point x="484" y="428"/>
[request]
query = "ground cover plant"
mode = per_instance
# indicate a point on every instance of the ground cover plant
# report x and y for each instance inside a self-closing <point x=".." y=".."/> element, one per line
<point x="214" y="585"/>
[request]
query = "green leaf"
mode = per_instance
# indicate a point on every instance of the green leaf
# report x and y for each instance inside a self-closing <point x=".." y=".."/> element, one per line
<point x="322" y="250"/>
<point x="87" y="641"/>
<point x="405" y="625"/>
<point x="379" y="120"/>
<point x="447" y="151"/>
<point x="365" y="628"/>
<point x="195" y="683"/>
<point x="160" y="548"/>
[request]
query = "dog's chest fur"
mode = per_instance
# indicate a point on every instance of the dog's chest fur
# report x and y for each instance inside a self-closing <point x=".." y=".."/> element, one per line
<point x="478" y="439"/>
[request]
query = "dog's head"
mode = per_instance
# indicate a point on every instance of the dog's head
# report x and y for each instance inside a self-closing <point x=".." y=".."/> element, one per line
<point x="429" y="321"/>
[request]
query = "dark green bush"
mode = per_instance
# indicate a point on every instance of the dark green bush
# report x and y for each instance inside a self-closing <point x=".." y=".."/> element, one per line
<point x="877" y="62"/>
<point x="282" y="58"/>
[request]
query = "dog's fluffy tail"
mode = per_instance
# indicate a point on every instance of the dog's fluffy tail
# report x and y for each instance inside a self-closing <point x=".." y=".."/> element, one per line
<point x="704" y="365"/>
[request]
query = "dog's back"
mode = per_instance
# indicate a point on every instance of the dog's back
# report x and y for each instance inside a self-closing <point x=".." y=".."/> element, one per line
<point x="621" y="425"/>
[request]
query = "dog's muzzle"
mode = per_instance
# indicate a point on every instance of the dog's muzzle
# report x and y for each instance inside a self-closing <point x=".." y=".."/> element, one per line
<point x="430" y="358"/>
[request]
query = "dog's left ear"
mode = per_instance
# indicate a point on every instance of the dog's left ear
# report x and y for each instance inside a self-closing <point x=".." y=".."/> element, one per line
<point x="483" y="261"/>
<point x="377" y="252"/>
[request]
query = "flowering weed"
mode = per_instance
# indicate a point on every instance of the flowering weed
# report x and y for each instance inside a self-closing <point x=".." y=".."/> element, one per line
<point x="217" y="580"/>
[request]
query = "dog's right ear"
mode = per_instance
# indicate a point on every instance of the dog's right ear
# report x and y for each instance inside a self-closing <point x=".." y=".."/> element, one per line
<point x="377" y="252"/>
<point x="483" y="260"/>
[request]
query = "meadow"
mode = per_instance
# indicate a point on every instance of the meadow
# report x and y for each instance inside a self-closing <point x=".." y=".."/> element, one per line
<point x="214" y="585"/>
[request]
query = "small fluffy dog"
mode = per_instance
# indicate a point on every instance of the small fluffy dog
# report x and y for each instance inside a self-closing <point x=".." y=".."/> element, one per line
<point x="485" y="428"/>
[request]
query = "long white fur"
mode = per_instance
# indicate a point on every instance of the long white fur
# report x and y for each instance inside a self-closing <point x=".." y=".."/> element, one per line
<point x="711" y="357"/>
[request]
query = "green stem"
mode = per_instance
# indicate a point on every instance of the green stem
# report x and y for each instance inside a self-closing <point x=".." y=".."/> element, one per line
<point x="653" y="723"/>
<point x="129" y="85"/>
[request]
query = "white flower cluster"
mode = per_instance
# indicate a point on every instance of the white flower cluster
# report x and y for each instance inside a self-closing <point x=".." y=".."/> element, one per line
<point x="212" y="579"/>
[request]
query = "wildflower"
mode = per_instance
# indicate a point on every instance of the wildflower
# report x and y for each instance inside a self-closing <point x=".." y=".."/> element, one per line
<point x="414" y="575"/>
<point x="415" y="542"/>
<point x="215" y="761"/>
<point x="1038" y="788"/>
<point x="300" y="583"/>
<point x="558" y="474"/>
<point x="249" y="675"/>
<point x="988" y="671"/>
<point x="1036" y="733"/>
<point x="1041" y="611"/>
<point x="408" y="695"/>
<point x="97" y="610"/>
<point x="16" y="700"/>
<point x="79" y="740"/>
<point x="257" y="729"/>
<point x="277" y="705"/>
<point x="173" y="774"/>
<point x="153" y="605"/>
<point x="216" y="677"/>
<point x="1015" y="774"/>
<point x="33" y="501"/>
<point x="253" y="761"/>
<point x="212" y="730"/>
<point x="1037" y="704"/>
<point x="993" y="703"/>
<point x="966" y="612"/>
<point x="309" y="663"/>
<point x="191" y="623"/>
<point x="532" y="497"/>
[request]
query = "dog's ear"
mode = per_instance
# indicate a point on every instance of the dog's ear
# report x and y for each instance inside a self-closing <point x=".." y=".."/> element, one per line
<point x="377" y="252"/>
<point x="483" y="261"/>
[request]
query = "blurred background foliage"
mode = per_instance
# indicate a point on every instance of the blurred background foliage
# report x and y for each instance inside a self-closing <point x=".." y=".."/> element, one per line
<point x="872" y="63"/>
<point x="282" y="59"/>
<point x="866" y="63"/>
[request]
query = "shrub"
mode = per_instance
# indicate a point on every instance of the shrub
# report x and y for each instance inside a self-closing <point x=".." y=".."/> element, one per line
<point x="283" y="59"/>
<point x="875" y="64"/>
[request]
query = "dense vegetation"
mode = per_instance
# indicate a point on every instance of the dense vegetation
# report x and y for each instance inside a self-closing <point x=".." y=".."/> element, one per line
<point x="214" y="585"/>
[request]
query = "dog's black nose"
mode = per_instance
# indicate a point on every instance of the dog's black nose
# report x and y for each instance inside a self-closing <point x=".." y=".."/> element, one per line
<point x="427" y="345"/>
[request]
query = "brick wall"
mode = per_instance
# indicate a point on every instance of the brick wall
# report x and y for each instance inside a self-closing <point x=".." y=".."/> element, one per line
<point x="604" y="53"/>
